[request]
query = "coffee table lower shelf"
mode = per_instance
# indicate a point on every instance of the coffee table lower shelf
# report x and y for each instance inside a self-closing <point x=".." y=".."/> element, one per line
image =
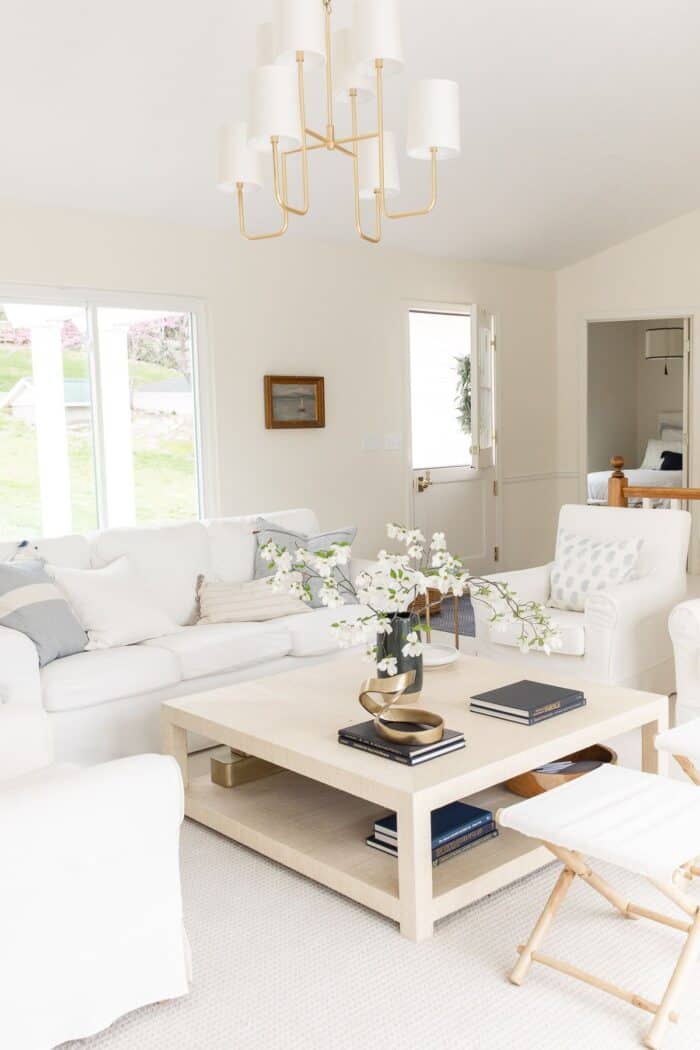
<point x="320" y="832"/>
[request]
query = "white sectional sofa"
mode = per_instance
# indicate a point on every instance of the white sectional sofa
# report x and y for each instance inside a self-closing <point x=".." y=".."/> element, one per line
<point x="104" y="704"/>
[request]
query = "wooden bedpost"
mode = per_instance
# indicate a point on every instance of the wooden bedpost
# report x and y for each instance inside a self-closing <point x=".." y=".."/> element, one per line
<point x="617" y="483"/>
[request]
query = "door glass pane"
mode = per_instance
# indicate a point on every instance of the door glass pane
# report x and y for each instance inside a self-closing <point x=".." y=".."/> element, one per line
<point x="47" y="463"/>
<point x="146" y="373"/>
<point x="440" y="369"/>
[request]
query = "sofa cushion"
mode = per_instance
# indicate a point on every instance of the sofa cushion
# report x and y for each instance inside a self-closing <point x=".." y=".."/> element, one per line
<point x="289" y="540"/>
<point x="250" y="601"/>
<point x="211" y="648"/>
<point x="167" y="559"/>
<point x="569" y="625"/>
<point x="91" y="678"/>
<point x="233" y="542"/>
<point x="112" y="604"/>
<point x="313" y="635"/>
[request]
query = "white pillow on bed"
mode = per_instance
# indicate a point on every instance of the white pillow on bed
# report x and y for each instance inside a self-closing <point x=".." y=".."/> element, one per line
<point x="669" y="433"/>
<point x="655" y="448"/>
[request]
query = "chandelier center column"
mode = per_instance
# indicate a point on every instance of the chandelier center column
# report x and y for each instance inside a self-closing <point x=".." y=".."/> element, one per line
<point x="330" y="127"/>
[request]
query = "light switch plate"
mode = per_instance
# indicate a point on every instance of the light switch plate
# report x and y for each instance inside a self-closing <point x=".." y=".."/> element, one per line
<point x="371" y="443"/>
<point x="392" y="442"/>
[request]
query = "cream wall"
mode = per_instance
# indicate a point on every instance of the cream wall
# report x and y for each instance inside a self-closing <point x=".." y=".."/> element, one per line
<point x="654" y="275"/>
<point x="299" y="306"/>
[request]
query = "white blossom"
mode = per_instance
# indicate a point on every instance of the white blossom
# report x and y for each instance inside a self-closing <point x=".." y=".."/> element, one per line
<point x="438" y="542"/>
<point x="413" y="646"/>
<point x="389" y="664"/>
<point x="415" y="552"/>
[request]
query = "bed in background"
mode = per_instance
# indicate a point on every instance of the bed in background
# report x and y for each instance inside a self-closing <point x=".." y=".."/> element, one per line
<point x="650" y="472"/>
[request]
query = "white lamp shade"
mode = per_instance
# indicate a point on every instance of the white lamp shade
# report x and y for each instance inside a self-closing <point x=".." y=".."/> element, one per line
<point x="299" y="26"/>
<point x="368" y="156"/>
<point x="433" y="119"/>
<point x="237" y="161"/>
<point x="345" y="71"/>
<point x="274" y="108"/>
<point x="376" y="33"/>
<point x="266" y="44"/>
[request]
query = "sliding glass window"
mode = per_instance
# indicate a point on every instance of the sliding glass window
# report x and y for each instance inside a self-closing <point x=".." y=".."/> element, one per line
<point x="98" y="418"/>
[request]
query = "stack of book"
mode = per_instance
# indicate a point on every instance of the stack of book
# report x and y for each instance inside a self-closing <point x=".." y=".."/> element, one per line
<point x="365" y="737"/>
<point x="527" y="702"/>
<point x="454" y="828"/>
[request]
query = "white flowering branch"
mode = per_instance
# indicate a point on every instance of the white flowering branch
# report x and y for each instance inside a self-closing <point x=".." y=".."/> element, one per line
<point x="394" y="583"/>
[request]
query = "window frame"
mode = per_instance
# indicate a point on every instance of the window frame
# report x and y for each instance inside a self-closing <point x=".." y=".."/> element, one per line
<point x="204" y="429"/>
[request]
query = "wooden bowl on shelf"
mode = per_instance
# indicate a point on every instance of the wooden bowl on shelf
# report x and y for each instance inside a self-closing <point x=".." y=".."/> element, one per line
<point x="537" y="781"/>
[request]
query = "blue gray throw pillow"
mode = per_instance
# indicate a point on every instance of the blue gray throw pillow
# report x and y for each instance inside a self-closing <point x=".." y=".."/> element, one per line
<point x="291" y="541"/>
<point x="30" y="602"/>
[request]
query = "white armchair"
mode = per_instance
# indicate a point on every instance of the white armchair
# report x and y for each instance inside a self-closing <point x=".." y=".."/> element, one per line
<point x="90" y="901"/>
<point x="622" y="636"/>
<point x="684" y="627"/>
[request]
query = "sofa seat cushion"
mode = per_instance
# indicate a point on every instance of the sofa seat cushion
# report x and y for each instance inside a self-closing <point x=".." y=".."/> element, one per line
<point x="569" y="625"/>
<point x="91" y="678"/>
<point x="313" y="635"/>
<point x="212" y="648"/>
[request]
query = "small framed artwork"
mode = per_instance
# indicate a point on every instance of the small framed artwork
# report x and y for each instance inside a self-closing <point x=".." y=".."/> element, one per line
<point x="294" y="402"/>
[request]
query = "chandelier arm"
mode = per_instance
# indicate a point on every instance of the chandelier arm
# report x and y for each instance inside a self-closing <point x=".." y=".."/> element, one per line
<point x="356" y="183"/>
<point x="330" y="129"/>
<point x="281" y="195"/>
<point x="257" y="236"/>
<point x="379" y="66"/>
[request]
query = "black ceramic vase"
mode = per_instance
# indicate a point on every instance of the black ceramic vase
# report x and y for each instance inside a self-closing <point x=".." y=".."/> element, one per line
<point x="392" y="645"/>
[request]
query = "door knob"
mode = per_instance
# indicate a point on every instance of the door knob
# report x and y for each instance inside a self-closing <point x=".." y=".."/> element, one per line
<point x="423" y="481"/>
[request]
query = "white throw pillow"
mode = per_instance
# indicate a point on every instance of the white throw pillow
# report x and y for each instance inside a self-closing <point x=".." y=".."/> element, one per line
<point x="669" y="433"/>
<point x="585" y="564"/>
<point x="244" y="602"/>
<point x="112" y="605"/>
<point x="654" y="451"/>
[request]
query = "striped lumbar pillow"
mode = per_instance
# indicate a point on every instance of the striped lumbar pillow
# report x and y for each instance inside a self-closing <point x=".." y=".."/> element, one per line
<point x="244" y="602"/>
<point x="30" y="602"/>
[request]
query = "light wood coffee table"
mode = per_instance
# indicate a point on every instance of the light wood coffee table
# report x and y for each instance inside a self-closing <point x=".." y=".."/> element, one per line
<point x="315" y="815"/>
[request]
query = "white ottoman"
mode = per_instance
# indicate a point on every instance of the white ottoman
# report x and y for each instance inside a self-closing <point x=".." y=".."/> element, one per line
<point x="641" y="822"/>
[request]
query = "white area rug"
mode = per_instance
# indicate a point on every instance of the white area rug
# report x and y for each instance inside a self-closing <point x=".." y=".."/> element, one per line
<point x="284" y="964"/>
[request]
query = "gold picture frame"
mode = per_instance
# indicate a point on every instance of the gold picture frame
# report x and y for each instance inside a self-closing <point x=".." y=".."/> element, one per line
<point x="294" y="402"/>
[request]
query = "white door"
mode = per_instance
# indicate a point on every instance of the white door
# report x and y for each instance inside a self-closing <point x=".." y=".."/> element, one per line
<point x="453" y="436"/>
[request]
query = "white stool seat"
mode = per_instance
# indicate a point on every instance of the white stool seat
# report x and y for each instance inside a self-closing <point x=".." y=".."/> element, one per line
<point x="683" y="740"/>
<point x="643" y="823"/>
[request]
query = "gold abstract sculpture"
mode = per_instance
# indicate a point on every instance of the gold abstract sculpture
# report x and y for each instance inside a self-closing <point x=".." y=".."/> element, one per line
<point x="378" y="697"/>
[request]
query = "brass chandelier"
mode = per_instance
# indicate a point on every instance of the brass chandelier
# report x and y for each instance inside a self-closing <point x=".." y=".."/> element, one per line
<point x="356" y="62"/>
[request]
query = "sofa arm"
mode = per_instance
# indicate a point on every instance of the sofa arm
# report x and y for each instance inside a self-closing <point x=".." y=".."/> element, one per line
<point x="25" y="740"/>
<point x="684" y="628"/>
<point x="19" y="669"/>
<point x="627" y="625"/>
<point x="90" y="872"/>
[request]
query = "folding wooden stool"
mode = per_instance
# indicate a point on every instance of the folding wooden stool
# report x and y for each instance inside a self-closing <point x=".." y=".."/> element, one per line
<point x="646" y="824"/>
<point x="683" y="743"/>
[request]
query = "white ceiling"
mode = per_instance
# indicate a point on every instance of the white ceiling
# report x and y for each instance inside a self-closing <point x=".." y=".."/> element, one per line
<point x="580" y="120"/>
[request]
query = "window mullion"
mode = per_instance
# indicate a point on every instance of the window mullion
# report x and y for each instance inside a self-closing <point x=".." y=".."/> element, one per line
<point x="97" y="416"/>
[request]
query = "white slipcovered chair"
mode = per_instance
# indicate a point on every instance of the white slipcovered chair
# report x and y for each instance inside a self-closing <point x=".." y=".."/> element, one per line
<point x="622" y="636"/>
<point x="684" y="628"/>
<point x="90" y="902"/>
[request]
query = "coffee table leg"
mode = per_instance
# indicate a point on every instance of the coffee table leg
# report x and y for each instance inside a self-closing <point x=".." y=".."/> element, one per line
<point x="175" y="744"/>
<point x="415" y="871"/>
<point x="654" y="761"/>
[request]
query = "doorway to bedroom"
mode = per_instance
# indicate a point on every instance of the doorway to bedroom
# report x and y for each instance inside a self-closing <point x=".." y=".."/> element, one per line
<point x="637" y="400"/>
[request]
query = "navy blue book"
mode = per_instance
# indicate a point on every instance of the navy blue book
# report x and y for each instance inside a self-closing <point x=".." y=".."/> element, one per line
<point x="450" y="849"/>
<point x="446" y="823"/>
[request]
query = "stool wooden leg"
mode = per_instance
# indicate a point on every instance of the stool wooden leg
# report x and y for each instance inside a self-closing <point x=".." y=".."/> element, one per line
<point x="578" y="865"/>
<point x="688" y="768"/>
<point x="542" y="925"/>
<point x="675" y="987"/>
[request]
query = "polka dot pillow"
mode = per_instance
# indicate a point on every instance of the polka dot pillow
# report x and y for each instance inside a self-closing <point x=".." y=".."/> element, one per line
<point x="588" y="563"/>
